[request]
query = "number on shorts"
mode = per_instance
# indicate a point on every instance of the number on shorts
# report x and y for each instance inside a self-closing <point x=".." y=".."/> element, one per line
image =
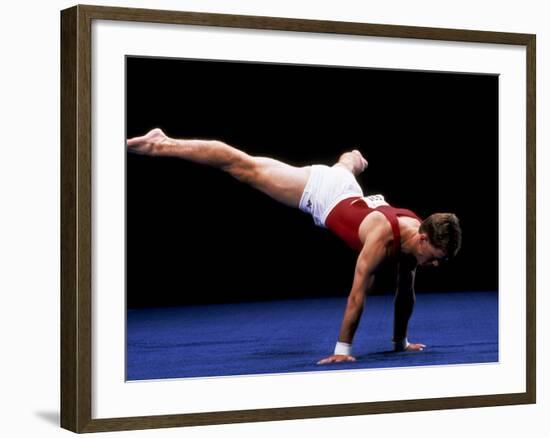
<point x="375" y="201"/>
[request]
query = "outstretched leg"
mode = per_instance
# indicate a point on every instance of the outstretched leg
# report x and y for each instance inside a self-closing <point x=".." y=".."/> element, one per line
<point x="278" y="180"/>
<point x="353" y="161"/>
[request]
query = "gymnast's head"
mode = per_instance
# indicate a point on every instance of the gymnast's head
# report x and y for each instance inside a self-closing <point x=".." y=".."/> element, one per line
<point x="440" y="239"/>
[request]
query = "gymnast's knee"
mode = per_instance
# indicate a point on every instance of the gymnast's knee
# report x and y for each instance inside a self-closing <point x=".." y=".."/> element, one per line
<point x="243" y="168"/>
<point x="353" y="161"/>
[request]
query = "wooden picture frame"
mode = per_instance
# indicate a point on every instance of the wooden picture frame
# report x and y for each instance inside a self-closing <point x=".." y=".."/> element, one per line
<point x="76" y="218"/>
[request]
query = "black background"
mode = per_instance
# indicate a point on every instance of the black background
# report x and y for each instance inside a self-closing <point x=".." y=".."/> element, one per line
<point x="195" y="235"/>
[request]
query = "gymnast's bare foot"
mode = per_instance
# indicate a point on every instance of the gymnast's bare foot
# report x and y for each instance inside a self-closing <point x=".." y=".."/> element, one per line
<point x="145" y="144"/>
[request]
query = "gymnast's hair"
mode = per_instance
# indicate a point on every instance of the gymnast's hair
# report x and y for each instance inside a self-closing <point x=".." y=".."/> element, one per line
<point x="444" y="232"/>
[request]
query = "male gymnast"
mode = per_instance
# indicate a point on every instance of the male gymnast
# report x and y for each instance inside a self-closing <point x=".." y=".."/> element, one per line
<point x="332" y="195"/>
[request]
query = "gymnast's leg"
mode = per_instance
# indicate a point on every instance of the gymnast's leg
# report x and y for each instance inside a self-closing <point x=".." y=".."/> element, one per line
<point x="278" y="180"/>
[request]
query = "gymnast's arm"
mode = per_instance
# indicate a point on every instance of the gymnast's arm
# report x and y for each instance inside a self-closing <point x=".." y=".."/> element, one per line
<point x="369" y="259"/>
<point x="403" y="308"/>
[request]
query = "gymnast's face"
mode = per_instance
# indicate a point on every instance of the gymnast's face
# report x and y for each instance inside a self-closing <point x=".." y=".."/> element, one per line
<point x="427" y="254"/>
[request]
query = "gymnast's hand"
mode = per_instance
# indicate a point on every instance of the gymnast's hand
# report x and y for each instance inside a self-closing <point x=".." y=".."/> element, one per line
<point x="336" y="358"/>
<point x="415" y="347"/>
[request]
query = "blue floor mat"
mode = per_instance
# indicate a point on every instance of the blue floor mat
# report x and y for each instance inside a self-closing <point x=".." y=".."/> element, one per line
<point x="291" y="336"/>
